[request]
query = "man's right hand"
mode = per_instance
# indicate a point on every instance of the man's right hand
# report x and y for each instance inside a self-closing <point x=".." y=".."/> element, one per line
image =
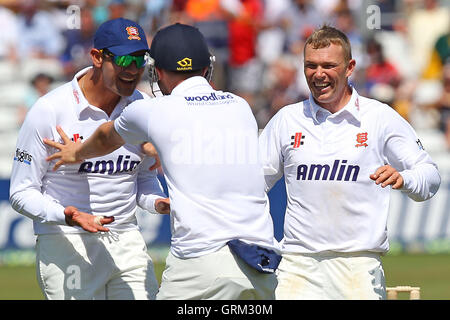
<point x="86" y="221"/>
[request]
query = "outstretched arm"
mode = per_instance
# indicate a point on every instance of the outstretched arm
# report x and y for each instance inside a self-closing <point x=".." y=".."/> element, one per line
<point x="103" y="141"/>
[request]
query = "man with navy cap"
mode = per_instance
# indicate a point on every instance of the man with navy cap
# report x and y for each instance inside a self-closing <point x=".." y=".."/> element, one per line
<point x="222" y="245"/>
<point x="77" y="257"/>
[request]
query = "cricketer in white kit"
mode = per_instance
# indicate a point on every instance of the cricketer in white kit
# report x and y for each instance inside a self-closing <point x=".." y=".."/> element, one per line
<point x="216" y="190"/>
<point x="72" y="263"/>
<point x="207" y="141"/>
<point x="335" y="225"/>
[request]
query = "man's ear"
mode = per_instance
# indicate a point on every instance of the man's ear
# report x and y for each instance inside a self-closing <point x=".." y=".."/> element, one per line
<point x="159" y="73"/>
<point x="350" y="67"/>
<point x="97" y="58"/>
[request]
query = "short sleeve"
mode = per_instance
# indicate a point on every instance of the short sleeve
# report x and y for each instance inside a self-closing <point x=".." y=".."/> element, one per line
<point x="132" y="124"/>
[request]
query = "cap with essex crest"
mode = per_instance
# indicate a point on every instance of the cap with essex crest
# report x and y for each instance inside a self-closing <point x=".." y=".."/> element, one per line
<point x="121" y="37"/>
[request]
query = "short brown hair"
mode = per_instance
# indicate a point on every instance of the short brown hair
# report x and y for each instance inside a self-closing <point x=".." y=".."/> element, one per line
<point x="326" y="35"/>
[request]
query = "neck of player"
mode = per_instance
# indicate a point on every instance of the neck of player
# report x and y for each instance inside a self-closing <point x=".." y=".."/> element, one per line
<point x="97" y="94"/>
<point x="339" y="102"/>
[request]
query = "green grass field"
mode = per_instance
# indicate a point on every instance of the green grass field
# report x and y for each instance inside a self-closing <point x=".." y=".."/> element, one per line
<point x="430" y="272"/>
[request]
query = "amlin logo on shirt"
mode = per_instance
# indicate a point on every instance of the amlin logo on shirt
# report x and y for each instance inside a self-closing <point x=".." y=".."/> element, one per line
<point x="23" y="156"/>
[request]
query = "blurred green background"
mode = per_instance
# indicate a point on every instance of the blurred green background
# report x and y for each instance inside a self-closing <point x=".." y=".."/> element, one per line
<point x="430" y="272"/>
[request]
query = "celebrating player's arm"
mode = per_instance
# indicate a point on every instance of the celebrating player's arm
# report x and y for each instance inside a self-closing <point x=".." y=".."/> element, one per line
<point x="150" y="150"/>
<point x="150" y="195"/>
<point x="420" y="183"/>
<point x="408" y="167"/>
<point x="104" y="140"/>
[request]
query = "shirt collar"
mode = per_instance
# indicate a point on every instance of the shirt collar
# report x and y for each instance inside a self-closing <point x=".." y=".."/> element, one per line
<point x="82" y="104"/>
<point x="352" y="107"/>
<point x="80" y="101"/>
<point x="191" y="84"/>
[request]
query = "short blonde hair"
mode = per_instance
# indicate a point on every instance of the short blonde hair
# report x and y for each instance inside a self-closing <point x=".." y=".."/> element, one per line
<point x="325" y="36"/>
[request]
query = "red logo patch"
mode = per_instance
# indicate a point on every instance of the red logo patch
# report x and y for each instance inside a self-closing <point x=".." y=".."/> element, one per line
<point x="361" y="138"/>
<point x="133" y="33"/>
<point x="76" y="136"/>
<point x="297" y="140"/>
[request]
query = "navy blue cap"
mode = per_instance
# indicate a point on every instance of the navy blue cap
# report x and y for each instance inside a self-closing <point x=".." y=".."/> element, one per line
<point x="120" y="36"/>
<point x="180" y="47"/>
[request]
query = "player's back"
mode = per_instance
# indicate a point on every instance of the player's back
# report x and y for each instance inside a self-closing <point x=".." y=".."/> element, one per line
<point x="208" y="144"/>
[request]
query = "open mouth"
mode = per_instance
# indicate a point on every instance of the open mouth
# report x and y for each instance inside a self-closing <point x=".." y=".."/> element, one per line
<point x="127" y="80"/>
<point x="321" y="86"/>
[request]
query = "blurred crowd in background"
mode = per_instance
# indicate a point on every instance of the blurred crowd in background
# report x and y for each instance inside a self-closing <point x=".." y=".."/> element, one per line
<point x="401" y="47"/>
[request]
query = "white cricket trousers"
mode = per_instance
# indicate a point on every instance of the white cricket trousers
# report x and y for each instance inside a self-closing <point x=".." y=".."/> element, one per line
<point x="103" y="266"/>
<point x="217" y="276"/>
<point x="331" y="276"/>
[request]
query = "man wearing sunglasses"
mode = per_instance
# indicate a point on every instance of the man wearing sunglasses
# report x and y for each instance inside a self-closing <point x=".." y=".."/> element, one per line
<point x="78" y="257"/>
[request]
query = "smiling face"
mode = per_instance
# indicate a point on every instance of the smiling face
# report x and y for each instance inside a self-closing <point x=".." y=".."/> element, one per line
<point x="327" y="71"/>
<point x="121" y="80"/>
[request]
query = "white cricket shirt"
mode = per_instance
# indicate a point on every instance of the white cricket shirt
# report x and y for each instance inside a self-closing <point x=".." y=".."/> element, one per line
<point x="207" y="141"/>
<point x="111" y="185"/>
<point x="327" y="160"/>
